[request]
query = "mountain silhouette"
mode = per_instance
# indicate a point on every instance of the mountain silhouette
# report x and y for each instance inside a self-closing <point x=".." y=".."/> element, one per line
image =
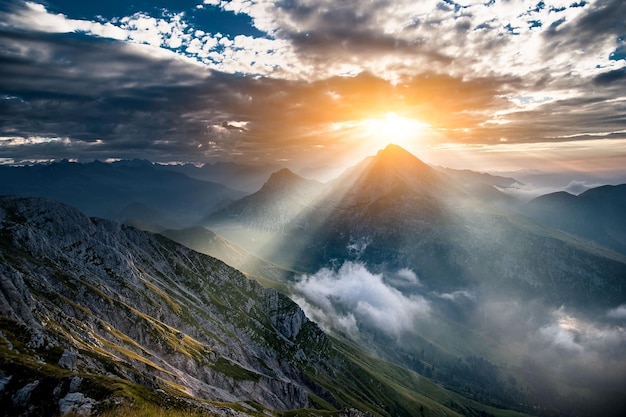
<point x="598" y="214"/>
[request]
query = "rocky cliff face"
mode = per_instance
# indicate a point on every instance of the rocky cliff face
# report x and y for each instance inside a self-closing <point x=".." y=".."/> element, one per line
<point x="93" y="299"/>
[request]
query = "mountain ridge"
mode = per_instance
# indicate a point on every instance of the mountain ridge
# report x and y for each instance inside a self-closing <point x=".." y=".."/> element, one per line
<point x="113" y="265"/>
<point x="596" y="214"/>
<point x="107" y="190"/>
<point x="95" y="316"/>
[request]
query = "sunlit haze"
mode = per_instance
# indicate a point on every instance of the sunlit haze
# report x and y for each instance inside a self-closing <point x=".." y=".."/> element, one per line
<point x="392" y="128"/>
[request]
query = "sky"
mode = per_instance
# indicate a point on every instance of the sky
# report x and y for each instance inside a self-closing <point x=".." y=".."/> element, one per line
<point x="486" y="85"/>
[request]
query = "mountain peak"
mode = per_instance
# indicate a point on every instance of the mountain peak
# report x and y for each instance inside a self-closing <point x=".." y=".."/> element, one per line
<point x="283" y="178"/>
<point x="392" y="148"/>
<point x="398" y="156"/>
<point x="284" y="173"/>
<point x="395" y="158"/>
<point x="133" y="163"/>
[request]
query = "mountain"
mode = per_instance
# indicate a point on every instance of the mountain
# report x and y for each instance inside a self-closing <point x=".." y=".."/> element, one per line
<point x="117" y="190"/>
<point x="467" y="176"/>
<point x="597" y="214"/>
<point x="403" y="213"/>
<point x="101" y="318"/>
<point x="296" y="208"/>
<point x="408" y="262"/>
<point x="269" y="210"/>
<point x="393" y="211"/>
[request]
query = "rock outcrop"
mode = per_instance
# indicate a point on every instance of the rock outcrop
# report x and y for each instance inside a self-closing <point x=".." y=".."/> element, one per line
<point x="92" y="296"/>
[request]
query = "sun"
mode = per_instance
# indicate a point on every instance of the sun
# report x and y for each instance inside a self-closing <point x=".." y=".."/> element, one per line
<point x="393" y="128"/>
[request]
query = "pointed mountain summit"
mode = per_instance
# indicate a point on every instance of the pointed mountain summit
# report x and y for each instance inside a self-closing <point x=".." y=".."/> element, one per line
<point x="399" y="163"/>
<point x="283" y="196"/>
<point x="394" y="172"/>
<point x="376" y="201"/>
<point x="284" y="179"/>
<point x="397" y="155"/>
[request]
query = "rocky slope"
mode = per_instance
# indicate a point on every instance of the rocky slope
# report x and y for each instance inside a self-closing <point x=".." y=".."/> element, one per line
<point x="205" y="241"/>
<point x="95" y="316"/>
<point x="132" y="305"/>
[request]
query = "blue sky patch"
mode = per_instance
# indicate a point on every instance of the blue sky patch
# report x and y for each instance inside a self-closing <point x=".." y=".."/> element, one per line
<point x="210" y="19"/>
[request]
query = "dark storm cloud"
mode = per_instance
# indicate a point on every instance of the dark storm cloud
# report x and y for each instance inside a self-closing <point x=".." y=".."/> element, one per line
<point x="74" y="86"/>
<point x="617" y="76"/>
<point x="76" y="69"/>
<point x="574" y="119"/>
<point x="348" y="29"/>
<point x="604" y="19"/>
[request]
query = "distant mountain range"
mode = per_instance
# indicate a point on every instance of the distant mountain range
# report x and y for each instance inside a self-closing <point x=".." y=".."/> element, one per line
<point x="246" y="178"/>
<point x="124" y="191"/>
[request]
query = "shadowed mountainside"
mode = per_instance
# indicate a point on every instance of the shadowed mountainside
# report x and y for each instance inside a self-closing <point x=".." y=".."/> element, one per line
<point x="597" y="214"/>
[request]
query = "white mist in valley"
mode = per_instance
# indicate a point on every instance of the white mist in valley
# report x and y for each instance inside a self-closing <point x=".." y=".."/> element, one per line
<point x="352" y="298"/>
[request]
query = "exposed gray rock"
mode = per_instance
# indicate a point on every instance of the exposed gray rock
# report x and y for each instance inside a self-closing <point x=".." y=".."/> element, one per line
<point x="22" y="397"/>
<point x="76" y="402"/>
<point x="4" y="380"/>
<point x="75" y="383"/>
<point x="68" y="359"/>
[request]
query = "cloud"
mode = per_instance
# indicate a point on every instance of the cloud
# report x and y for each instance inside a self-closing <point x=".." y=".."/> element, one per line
<point x="352" y="298"/>
<point x="618" y="313"/>
<point x="389" y="38"/>
<point x="396" y="36"/>
<point x="579" y="187"/>
<point x="409" y="276"/>
<point x="577" y="335"/>
<point x="144" y="104"/>
<point x="170" y="32"/>
<point x="616" y="76"/>
<point x="458" y="295"/>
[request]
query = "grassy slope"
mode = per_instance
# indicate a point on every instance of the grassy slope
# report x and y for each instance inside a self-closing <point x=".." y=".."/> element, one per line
<point x="360" y="381"/>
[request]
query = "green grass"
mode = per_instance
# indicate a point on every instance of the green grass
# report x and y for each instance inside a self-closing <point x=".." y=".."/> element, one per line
<point x="231" y="369"/>
<point x="382" y="388"/>
<point x="151" y="410"/>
